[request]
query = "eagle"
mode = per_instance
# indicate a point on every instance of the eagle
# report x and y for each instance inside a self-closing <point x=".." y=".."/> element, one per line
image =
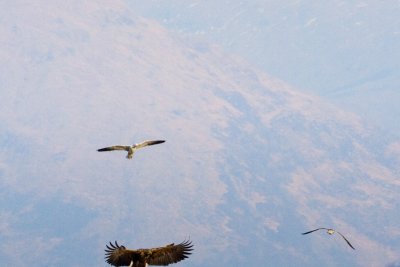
<point x="331" y="232"/>
<point x="117" y="255"/>
<point x="131" y="149"/>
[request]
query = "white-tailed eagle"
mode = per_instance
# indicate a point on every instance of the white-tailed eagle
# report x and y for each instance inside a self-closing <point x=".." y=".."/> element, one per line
<point x="331" y="232"/>
<point x="131" y="149"/>
<point x="117" y="255"/>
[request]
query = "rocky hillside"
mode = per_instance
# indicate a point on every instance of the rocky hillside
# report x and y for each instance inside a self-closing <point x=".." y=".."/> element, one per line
<point x="249" y="162"/>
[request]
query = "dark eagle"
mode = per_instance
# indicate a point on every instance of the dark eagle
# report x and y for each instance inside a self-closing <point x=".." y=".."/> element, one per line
<point x="131" y="149"/>
<point x="331" y="232"/>
<point x="120" y="256"/>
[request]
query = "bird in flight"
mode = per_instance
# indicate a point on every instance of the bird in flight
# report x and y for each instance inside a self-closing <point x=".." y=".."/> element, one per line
<point x="117" y="255"/>
<point x="131" y="149"/>
<point x="331" y="232"/>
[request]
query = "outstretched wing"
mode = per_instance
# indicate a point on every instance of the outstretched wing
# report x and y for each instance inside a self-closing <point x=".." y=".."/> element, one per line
<point x="120" y="256"/>
<point x="111" y="148"/>
<point x="170" y="254"/>
<point x="348" y="242"/>
<point x="313" y="231"/>
<point x="148" y="143"/>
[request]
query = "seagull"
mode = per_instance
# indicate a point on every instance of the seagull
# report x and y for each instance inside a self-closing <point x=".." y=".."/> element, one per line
<point x="117" y="255"/>
<point x="131" y="149"/>
<point x="331" y="232"/>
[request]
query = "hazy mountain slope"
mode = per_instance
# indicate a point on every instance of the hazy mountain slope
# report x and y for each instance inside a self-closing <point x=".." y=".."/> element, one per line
<point x="248" y="165"/>
<point x="345" y="51"/>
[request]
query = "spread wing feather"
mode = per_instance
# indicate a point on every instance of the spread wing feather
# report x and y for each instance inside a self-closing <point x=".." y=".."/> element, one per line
<point x="345" y="239"/>
<point x="111" y="148"/>
<point x="309" y="232"/>
<point x="120" y="256"/>
<point x="148" y="143"/>
<point x="170" y="254"/>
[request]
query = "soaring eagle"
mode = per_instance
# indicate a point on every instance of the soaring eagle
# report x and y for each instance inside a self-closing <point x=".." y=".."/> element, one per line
<point x="120" y="256"/>
<point x="331" y="232"/>
<point x="131" y="149"/>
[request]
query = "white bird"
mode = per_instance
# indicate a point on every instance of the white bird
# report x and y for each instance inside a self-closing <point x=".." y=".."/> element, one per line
<point x="131" y="149"/>
<point x="330" y="232"/>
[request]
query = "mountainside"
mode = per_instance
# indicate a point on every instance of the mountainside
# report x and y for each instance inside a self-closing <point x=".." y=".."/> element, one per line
<point x="249" y="163"/>
<point x="344" y="51"/>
